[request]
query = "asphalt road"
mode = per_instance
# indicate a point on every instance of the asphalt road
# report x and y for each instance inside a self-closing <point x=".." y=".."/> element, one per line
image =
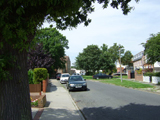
<point x="110" y="102"/>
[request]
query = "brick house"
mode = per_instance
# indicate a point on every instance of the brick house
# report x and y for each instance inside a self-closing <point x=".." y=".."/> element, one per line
<point x="140" y="61"/>
<point x="67" y="68"/>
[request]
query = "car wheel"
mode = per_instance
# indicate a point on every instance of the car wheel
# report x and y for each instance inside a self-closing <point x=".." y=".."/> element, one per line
<point x="97" y="78"/>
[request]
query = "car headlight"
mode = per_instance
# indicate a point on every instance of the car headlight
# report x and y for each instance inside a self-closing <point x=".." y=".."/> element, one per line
<point x="71" y="85"/>
<point x="84" y="83"/>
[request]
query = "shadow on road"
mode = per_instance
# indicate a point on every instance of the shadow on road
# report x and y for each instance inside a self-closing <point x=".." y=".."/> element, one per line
<point x="128" y="112"/>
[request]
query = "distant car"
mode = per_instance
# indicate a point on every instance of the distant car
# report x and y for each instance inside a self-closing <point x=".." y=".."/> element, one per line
<point x="101" y="75"/>
<point x="76" y="82"/>
<point x="64" y="77"/>
<point x="58" y="76"/>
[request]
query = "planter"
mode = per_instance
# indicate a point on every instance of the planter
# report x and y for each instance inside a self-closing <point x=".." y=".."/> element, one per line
<point x="155" y="79"/>
<point x="146" y="79"/>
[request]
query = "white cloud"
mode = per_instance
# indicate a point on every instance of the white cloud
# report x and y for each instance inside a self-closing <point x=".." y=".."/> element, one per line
<point x="110" y="26"/>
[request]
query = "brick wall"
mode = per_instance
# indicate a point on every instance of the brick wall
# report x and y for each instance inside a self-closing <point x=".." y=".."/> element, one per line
<point x="138" y="77"/>
<point x="129" y="74"/>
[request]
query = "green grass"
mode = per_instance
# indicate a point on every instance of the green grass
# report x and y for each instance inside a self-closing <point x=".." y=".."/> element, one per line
<point x="117" y="81"/>
<point x="87" y="77"/>
<point x="123" y="77"/>
<point x="126" y="83"/>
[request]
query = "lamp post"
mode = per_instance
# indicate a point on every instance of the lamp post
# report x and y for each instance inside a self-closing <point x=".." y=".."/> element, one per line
<point x="120" y="63"/>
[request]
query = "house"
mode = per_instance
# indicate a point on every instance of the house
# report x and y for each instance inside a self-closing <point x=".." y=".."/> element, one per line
<point x="157" y="66"/>
<point x="80" y="72"/>
<point x="140" y="61"/>
<point x="118" y="67"/>
<point x="67" y="68"/>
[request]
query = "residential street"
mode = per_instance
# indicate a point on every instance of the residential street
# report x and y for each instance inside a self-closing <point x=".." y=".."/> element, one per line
<point x="110" y="102"/>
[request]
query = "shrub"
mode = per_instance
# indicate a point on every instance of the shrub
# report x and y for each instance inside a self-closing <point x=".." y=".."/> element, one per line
<point x="139" y="71"/>
<point x="157" y="74"/>
<point x="89" y="73"/>
<point x="30" y="76"/>
<point x="148" y="74"/>
<point x="39" y="75"/>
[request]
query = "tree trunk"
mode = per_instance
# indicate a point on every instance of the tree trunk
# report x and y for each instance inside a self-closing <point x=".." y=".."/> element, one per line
<point x="14" y="93"/>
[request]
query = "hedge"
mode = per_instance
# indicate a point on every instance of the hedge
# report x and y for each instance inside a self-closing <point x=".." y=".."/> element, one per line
<point x="39" y="74"/>
<point x="152" y="74"/>
<point x="30" y="76"/>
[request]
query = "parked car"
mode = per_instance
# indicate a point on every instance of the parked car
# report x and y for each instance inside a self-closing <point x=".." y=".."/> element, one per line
<point x="58" y="76"/>
<point x="101" y="75"/>
<point x="76" y="82"/>
<point x="64" y="77"/>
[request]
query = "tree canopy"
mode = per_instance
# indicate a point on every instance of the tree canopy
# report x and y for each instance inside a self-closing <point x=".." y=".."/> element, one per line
<point x="88" y="59"/>
<point x="38" y="58"/>
<point x="152" y="48"/>
<point x="18" y="24"/>
<point x="114" y="50"/>
<point x="127" y="58"/>
<point x="103" y="58"/>
<point x="54" y="43"/>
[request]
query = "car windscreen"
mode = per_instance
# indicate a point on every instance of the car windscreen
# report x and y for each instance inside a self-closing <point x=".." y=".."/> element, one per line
<point x="75" y="78"/>
<point x="65" y="75"/>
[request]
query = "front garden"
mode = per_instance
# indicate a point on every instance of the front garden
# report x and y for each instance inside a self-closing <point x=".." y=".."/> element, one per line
<point x="38" y="80"/>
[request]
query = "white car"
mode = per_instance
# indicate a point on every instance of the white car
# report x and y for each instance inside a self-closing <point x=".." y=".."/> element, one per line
<point x="64" y="77"/>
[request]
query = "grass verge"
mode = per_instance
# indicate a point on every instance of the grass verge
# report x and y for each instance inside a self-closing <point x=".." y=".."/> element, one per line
<point x="124" y="83"/>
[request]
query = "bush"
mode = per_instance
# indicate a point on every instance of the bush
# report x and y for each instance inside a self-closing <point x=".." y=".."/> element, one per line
<point x="139" y="71"/>
<point x="30" y="76"/>
<point x="157" y="74"/>
<point x="148" y="74"/>
<point x="89" y="73"/>
<point x="39" y="75"/>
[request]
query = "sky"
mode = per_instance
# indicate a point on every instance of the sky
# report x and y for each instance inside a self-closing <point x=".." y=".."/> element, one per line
<point x="110" y="26"/>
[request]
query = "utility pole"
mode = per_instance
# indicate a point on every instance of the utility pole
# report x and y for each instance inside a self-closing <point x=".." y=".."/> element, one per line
<point x="120" y="63"/>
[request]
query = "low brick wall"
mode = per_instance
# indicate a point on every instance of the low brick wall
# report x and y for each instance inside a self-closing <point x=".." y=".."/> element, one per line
<point x="42" y="101"/>
<point x="138" y="77"/>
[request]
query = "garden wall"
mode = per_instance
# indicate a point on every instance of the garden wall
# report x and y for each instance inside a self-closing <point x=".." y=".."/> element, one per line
<point x="138" y="77"/>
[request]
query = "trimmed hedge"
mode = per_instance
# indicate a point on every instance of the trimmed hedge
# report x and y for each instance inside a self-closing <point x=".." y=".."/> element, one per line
<point x="152" y="74"/>
<point x="30" y="76"/>
<point x="39" y="74"/>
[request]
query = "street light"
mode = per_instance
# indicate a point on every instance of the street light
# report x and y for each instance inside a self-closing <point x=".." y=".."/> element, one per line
<point x="120" y="63"/>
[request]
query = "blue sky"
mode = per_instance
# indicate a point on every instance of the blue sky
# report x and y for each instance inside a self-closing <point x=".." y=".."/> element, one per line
<point x="110" y="26"/>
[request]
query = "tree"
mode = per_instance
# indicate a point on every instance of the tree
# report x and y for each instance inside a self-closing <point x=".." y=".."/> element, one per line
<point x="127" y="58"/>
<point x="114" y="50"/>
<point x="38" y="58"/>
<point x="105" y="60"/>
<point x="152" y="48"/>
<point x="18" y="23"/>
<point x="54" y="43"/>
<point x="89" y="58"/>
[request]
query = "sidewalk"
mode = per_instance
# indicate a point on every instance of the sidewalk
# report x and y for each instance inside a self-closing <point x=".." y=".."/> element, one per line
<point x="59" y="106"/>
